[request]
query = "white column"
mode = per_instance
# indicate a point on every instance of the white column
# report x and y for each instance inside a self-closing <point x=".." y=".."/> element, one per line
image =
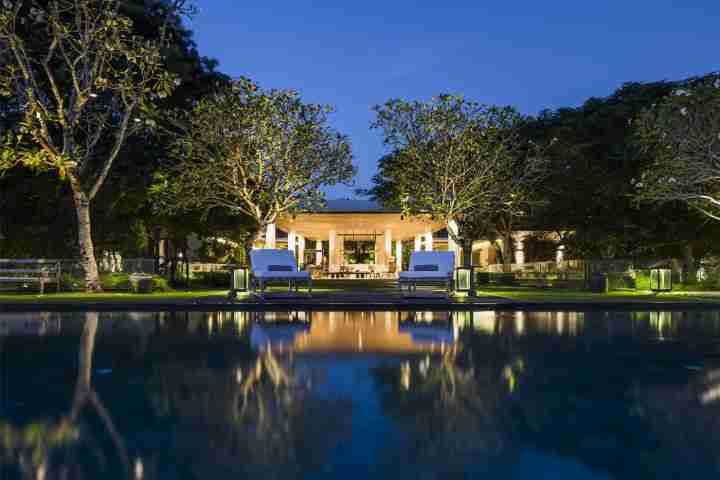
<point x="292" y="236"/>
<point x="452" y="245"/>
<point x="301" y="250"/>
<point x="429" y="241"/>
<point x="418" y="242"/>
<point x="270" y="236"/>
<point x="332" y="261"/>
<point x="519" y="251"/>
<point x="388" y="246"/>
<point x="560" y="254"/>
<point x="398" y="255"/>
<point x="379" y="252"/>
<point x="318" y="253"/>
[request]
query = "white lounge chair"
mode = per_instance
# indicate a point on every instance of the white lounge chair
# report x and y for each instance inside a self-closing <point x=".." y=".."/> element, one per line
<point x="429" y="268"/>
<point x="269" y="265"/>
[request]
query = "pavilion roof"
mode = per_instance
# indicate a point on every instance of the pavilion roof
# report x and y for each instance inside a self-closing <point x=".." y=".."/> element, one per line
<point x="348" y="205"/>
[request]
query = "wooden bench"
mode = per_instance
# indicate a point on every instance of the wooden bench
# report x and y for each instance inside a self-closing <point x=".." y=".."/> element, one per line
<point x="21" y="272"/>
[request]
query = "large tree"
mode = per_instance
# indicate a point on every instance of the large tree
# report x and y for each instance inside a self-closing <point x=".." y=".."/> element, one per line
<point x="682" y="134"/>
<point x="80" y="75"/>
<point x="591" y="190"/>
<point x="256" y="154"/>
<point x="457" y="161"/>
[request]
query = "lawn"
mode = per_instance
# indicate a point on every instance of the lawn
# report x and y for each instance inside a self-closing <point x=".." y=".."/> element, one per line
<point x="355" y="288"/>
<point x="110" y="297"/>
<point x="530" y="294"/>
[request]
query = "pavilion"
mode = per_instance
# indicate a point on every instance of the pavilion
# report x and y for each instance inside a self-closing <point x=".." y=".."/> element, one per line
<point x="362" y="237"/>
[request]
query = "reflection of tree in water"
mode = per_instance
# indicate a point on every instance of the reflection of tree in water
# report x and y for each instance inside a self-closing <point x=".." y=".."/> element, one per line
<point x="68" y="448"/>
<point x="620" y="405"/>
<point x="258" y="418"/>
<point x="685" y="420"/>
<point x="451" y="414"/>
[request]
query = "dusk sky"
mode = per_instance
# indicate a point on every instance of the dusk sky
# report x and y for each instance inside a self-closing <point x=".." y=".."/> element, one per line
<point x="529" y="54"/>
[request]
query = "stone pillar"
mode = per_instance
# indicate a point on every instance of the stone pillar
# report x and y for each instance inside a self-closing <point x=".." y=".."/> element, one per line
<point x="388" y="246"/>
<point x="519" y="251"/>
<point x="560" y="254"/>
<point x="270" y="236"/>
<point x="318" y="253"/>
<point x="332" y="260"/>
<point x="418" y="243"/>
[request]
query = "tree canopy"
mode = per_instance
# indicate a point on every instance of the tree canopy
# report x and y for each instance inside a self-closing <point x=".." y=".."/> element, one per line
<point x="255" y="153"/>
<point x="79" y="77"/>
<point x="458" y="161"/>
<point x="682" y="134"/>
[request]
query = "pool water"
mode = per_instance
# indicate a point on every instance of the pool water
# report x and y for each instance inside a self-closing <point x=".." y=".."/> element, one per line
<point x="358" y="395"/>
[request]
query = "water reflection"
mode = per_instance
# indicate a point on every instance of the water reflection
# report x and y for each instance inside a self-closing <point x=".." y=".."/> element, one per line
<point x="358" y="332"/>
<point x="44" y="448"/>
<point x="356" y="394"/>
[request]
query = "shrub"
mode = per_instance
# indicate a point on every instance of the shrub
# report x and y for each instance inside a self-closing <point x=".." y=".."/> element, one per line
<point x="70" y="283"/>
<point x="211" y="279"/>
<point x="621" y="281"/>
<point x="160" y="284"/>
<point x="642" y="280"/>
<point x="482" y="278"/>
<point x="121" y="282"/>
<point x="115" y="281"/>
<point x="505" y="278"/>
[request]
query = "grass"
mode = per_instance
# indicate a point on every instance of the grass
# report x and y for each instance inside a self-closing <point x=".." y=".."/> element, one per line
<point x="373" y="287"/>
<point x="73" y="297"/>
<point x="634" y="296"/>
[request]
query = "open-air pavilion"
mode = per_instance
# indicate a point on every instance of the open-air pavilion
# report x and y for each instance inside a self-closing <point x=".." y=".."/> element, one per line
<point x="361" y="239"/>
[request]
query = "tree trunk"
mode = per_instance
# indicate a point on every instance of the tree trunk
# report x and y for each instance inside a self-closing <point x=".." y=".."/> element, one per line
<point x="250" y="240"/>
<point x="85" y="242"/>
<point x="466" y="246"/>
<point x="507" y="251"/>
<point x="84" y="391"/>
<point x="690" y="266"/>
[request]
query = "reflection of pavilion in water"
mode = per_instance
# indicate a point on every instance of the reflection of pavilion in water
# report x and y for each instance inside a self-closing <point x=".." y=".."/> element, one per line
<point x="355" y="332"/>
<point x="371" y="331"/>
<point x="520" y="323"/>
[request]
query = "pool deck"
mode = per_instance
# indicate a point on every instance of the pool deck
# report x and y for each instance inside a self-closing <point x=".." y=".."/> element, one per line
<point x="337" y="301"/>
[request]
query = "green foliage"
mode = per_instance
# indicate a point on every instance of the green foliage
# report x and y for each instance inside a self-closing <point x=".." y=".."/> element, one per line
<point x="121" y="282"/>
<point x="458" y="161"/>
<point x="38" y="217"/>
<point x="253" y="153"/>
<point x="210" y="280"/>
<point x="70" y="282"/>
<point x="77" y="64"/>
<point x="597" y="162"/>
<point x="115" y="281"/>
<point x="79" y="77"/>
<point x="160" y="284"/>
<point x="682" y="133"/>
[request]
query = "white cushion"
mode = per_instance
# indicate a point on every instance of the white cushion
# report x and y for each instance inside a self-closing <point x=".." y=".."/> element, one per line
<point x="299" y="275"/>
<point x="416" y="275"/>
<point x="260" y="260"/>
<point x="444" y="260"/>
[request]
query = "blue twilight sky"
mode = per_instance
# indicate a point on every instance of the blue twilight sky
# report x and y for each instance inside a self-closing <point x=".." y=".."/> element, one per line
<point x="530" y="54"/>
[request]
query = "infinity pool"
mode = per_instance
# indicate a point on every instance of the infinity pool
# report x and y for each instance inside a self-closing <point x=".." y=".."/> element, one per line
<point x="359" y="395"/>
